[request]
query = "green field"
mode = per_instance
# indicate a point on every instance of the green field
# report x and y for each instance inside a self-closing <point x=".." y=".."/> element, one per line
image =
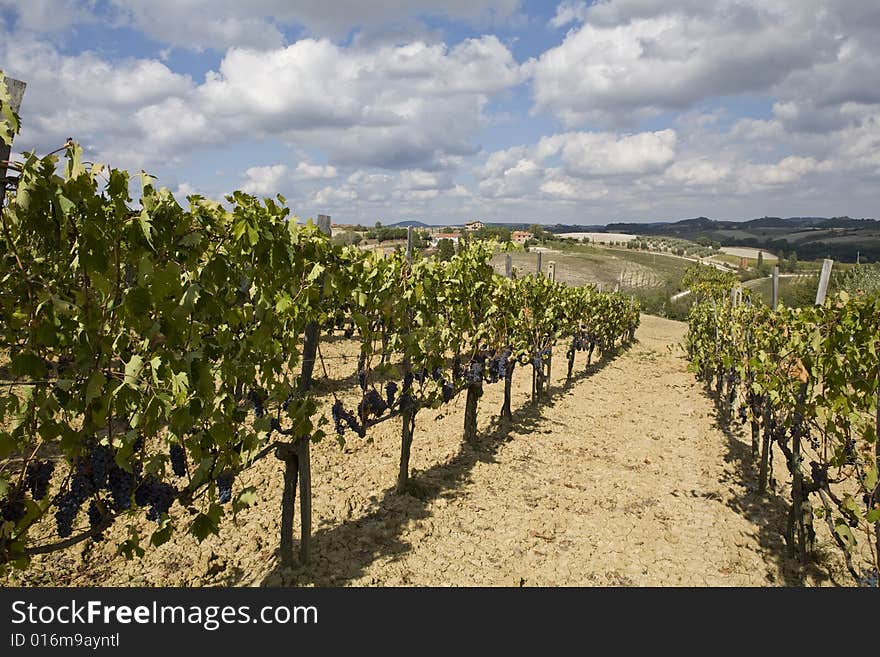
<point x="793" y="292"/>
<point x="582" y="265"/>
<point x="650" y="277"/>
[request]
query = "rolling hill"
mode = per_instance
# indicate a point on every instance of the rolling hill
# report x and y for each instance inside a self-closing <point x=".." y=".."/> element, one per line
<point x="840" y="238"/>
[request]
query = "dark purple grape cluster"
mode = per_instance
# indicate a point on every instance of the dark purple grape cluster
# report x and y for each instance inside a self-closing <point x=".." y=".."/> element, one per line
<point x="743" y="416"/>
<point x="474" y="374"/>
<point x="95" y="518"/>
<point x="448" y="391"/>
<point x="456" y="368"/>
<point x="342" y="417"/>
<point x="362" y="380"/>
<point x="97" y="471"/>
<point x="101" y="459"/>
<point x="584" y="341"/>
<point x="808" y="435"/>
<point x="178" y="460"/>
<point x="224" y="487"/>
<point x="13" y="509"/>
<point x="372" y="404"/>
<point x="437" y="374"/>
<point x="408" y="381"/>
<point x="539" y="356"/>
<point x="257" y="398"/>
<point x="491" y="370"/>
<point x="81" y="485"/>
<point x="155" y="494"/>
<point x="390" y="393"/>
<point x="336" y="412"/>
<point x="37" y="476"/>
<point x="779" y="432"/>
<point x="121" y="484"/>
<point x="68" y="508"/>
<point x="505" y="364"/>
<point x="421" y="374"/>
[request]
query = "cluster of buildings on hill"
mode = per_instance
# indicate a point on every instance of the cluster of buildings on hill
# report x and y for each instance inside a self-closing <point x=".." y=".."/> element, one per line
<point x="451" y="233"/>
<point x="517" y="236"/>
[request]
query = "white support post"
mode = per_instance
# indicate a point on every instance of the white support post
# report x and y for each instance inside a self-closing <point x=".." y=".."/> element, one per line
<point x="824" y="277"/>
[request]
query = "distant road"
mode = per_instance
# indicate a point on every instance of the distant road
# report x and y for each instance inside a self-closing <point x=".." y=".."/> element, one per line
<point x="746" y="252"/>
<point x="754" y="282"/>
<point x="718" y="265"/>
<point x="600" y="237"/>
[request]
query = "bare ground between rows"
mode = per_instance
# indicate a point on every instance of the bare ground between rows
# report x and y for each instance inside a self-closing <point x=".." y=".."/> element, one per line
<point x="623" y="477"/>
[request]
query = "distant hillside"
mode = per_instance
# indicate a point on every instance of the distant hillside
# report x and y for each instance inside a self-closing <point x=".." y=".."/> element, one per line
<point x="840" y="238"/>
<point x="414" y="224"/>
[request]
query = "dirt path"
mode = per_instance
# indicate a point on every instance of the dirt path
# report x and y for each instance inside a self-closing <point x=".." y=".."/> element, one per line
<point x="621" y="478"/>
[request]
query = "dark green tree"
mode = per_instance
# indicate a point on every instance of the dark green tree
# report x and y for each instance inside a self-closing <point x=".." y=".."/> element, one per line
<point x="445" y="249"/>
<point x="538" y="232"/>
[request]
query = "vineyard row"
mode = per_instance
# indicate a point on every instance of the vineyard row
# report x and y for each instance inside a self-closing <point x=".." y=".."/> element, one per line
<point x="807" y="381"/>
<point x="149" y="355"/>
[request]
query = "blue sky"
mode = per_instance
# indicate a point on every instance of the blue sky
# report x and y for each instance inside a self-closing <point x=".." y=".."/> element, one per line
<point x="501" y="110"/>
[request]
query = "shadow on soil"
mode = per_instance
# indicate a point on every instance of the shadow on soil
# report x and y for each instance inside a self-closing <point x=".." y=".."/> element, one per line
<point x="341" y="553"/>
<point x="768" y="511"/>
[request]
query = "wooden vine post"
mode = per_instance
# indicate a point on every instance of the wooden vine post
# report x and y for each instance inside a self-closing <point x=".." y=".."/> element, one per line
<point x="408" y="416"/>
<point x="310" y="343"/>
<point x="755" y="425"/>
<point x="765" y="447"/>
<point x="288" y="454"/>
<point x="719" y="375"/>
<point x="798" y="530"/>
<point x="508" y="380"/>
<point x="750" y="398"/>
<point x="297" y="456"/>
<point x="408" y="408"/>
<point x="506" y="414"/>
<point x="877" y="464"/>
<point x="736" y="300"/>
<point x="474" y="392"/>
<point x="16" y="94"/>
<point x="304" y="467"/>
